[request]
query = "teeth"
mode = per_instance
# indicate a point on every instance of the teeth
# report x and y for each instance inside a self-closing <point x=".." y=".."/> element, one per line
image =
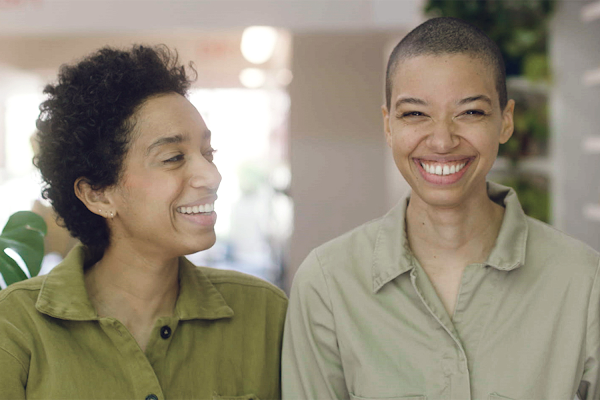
<point x="203" y="208"/>
<point x="439" y="169"/>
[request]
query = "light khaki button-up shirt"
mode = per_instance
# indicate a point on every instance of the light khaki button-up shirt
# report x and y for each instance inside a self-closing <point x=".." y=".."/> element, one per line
<point x="224" y="341"/>
<point x="364" y="321"/>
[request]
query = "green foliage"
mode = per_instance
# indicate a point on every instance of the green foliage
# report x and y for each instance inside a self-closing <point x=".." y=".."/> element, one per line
<point x="519" y="27"/>
<point x="24" y="233"/>
<point x="534" y="197"/>
<point x="531" y="133"/>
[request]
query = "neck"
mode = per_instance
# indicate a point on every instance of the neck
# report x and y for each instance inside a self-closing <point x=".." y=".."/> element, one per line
<point x="465" y="233"/>
<point x="132" y="288"/>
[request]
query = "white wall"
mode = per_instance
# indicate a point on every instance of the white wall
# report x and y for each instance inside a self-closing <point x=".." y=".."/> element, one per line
<point x="575" y="114"/>
<point x="339" y="159"/>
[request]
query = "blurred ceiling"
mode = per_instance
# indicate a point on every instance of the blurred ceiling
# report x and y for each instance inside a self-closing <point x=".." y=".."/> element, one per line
<point x="92" y="17"/>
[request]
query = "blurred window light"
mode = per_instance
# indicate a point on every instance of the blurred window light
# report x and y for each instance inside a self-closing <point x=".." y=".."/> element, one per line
<point x="21" y="114"/>
<point x="253" y="78"/>
<point x="258" y="43"/>
<point x="254" y="218"/>
<point x="284" y="77"/>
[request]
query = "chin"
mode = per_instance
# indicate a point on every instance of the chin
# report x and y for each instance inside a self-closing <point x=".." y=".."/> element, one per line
<point x="204" y="243"/>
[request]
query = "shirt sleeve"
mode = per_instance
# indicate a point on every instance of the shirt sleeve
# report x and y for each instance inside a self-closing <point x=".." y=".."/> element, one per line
<point x="589" y="389"/>
<point x="311" y="363"/>
<point x="13" y="377"/>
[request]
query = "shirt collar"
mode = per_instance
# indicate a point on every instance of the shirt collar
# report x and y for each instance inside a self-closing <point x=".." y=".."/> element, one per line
<point x="63" y="294"/>
<point x="392" y="256"/>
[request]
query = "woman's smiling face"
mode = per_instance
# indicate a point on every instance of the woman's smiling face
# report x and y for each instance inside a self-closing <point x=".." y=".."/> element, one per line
<point x="164" y="201"/>
<point x="445" y="126"/>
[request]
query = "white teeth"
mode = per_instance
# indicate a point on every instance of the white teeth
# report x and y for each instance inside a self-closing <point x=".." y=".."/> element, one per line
<point x="438" y="169"/>
<point x="203" y="208"/>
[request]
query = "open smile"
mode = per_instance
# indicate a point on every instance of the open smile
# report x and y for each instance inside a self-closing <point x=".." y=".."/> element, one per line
<point x="199" y="209"/>
<point x="443" y="172"/>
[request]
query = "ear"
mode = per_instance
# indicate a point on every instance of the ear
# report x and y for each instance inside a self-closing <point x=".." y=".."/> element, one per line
<point x="96" y="200"/>
<point x="508" y="125"/>
<point x="386" y="125"/>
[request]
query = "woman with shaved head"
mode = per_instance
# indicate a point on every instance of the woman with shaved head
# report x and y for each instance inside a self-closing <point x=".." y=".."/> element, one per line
<point x="455" y="293"/>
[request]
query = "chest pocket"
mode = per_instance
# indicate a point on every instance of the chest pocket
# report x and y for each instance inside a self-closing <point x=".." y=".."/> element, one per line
<point x="243" y="397"/>
<point x="388" y="398"/>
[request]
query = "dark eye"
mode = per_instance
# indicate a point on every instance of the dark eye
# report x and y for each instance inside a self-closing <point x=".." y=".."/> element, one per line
<point x="474" y="112"/>
<point x="412" y="114"/>
<point x="174" y="159"/>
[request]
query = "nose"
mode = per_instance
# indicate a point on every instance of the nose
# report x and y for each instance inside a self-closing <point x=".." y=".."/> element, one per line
<point x="204" y="174"/>
<point x="443" y="138"/>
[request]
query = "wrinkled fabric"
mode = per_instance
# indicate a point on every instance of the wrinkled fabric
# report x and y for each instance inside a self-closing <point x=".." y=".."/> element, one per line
<point x="364" y="321"/>
<point x="223" y="341"/>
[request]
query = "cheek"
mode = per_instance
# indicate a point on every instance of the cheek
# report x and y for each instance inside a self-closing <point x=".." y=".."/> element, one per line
<point x="150" y="190"/>
<point x="405" y="141"/>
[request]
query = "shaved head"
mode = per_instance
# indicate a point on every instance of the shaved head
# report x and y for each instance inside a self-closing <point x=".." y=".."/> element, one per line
<point x="447" y="36"/>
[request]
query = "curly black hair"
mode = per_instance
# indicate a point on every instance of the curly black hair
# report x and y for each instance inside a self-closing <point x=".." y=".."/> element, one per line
<point x="85" y="127"/>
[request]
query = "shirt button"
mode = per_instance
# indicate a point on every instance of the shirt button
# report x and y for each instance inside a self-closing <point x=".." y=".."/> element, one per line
<point x="165" y="333"/>
<point x="151" y="397"/>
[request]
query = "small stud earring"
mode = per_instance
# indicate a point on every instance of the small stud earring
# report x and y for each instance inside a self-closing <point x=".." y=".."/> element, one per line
<point x="112" y="215"/>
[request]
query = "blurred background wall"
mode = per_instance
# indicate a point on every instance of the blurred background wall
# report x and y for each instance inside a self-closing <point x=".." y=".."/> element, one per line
<point x="299" y="134"/>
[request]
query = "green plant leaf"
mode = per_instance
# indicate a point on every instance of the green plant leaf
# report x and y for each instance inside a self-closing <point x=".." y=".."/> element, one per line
<point x="24" y="233"/>
<point x="10" y="270"/>
<point x="27" y="219"/>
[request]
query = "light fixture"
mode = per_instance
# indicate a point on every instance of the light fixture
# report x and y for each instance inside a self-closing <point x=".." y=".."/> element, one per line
<point x="258" y="43"/>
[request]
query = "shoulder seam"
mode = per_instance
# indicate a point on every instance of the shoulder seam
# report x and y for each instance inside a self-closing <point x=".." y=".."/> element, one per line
<point x="10" y="291"/>
<point x="13" y="356"/>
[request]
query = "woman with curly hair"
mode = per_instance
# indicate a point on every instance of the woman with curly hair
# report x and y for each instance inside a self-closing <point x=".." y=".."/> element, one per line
<point x="128" y="167"/>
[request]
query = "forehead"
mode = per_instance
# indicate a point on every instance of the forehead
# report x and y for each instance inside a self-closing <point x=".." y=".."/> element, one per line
<point x="165" y="115"/>
<point x="443" y="76"/>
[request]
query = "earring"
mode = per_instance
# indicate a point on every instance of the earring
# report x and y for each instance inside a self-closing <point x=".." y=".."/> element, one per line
<point x="112" y="215"/>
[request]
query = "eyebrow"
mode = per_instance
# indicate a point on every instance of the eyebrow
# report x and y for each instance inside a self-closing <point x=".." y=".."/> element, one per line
<point x="466" y="100"/>
<point x="475" y="98"/>
<point x="410" y="100"/>
<point x="173" y="139"/>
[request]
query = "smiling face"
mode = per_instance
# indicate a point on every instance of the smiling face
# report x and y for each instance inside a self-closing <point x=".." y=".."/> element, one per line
<point x="444" y="127"/>
<point x="165" y="198"/>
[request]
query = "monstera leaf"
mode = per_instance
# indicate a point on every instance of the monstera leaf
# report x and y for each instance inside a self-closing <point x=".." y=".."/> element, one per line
<point x="23" y="234"/>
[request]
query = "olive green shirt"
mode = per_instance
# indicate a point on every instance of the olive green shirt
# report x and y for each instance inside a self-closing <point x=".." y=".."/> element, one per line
<point x="223" y="341"/>
<point x="364" y="321"/>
